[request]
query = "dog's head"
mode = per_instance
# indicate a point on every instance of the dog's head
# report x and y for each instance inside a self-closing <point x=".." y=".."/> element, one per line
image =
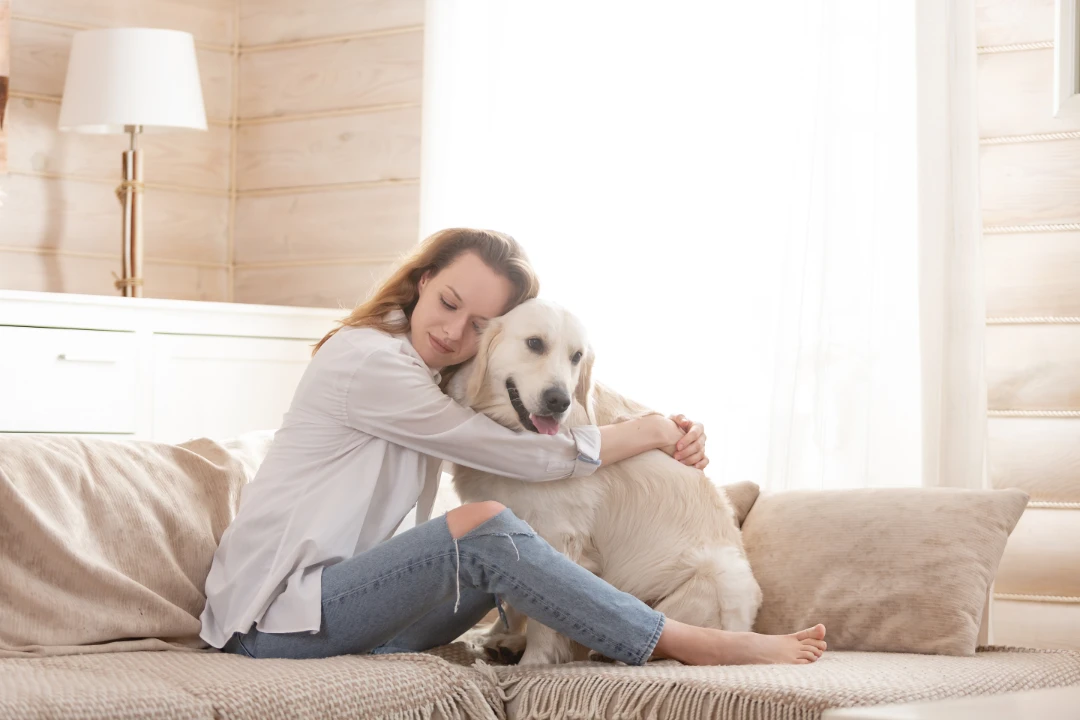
<point x="531" y="365"/>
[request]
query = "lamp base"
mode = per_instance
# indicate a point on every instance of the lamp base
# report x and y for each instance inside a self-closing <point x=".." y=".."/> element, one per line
<point x="130" y="192"/>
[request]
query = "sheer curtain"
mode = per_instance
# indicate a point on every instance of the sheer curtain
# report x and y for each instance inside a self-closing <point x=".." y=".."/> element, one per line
<point x="725" y="193"/>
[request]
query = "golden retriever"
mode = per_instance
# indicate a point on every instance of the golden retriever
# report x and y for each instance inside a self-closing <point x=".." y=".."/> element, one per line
<point x="649" y="525"/>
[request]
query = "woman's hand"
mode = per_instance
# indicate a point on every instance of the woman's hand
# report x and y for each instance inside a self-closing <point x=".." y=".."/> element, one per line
<point x="668" y="433"/>
<point x="690" y="450"/>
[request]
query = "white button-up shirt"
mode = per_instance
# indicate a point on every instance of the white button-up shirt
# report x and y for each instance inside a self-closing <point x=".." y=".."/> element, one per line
<point x="361" y="444"/>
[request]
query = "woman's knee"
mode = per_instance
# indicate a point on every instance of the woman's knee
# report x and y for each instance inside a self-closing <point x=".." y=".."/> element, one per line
<point x="463" y="519"/>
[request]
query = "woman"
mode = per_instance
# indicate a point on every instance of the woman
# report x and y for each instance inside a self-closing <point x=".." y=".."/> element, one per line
<point x="310" y="566"/>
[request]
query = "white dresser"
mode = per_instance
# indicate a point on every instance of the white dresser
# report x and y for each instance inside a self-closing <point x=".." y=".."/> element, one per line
<point x="156" y="369"/>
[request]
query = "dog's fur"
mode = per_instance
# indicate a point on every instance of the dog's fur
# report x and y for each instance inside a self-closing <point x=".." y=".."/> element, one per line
<point x="649" y="525"/>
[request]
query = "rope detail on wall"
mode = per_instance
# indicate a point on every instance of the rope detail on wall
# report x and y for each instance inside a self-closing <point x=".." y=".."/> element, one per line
<point x="1034" y="320"/>
<point x="1010" y="229"/>
<point x="1018" y="47"/>
<point x="1037" y="598"/>
<point x="1035" y="413"/>
<point x="1037" y="137"/>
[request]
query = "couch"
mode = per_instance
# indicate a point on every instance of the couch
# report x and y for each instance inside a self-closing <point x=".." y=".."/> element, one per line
<point x="105" y="545"/>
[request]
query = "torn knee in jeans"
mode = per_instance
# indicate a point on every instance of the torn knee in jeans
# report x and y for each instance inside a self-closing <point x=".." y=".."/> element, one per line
<point x="511" y="539"/>
<point x="457" y="573"/>
<point x="502" y="612"/>
<point x="498" y="526"/>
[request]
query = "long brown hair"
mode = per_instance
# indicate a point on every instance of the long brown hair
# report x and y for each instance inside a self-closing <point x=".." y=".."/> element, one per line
<point x="499" y="251"/>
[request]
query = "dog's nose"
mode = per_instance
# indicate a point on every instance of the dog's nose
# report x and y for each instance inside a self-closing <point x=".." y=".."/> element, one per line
<point x="556" y="400"/>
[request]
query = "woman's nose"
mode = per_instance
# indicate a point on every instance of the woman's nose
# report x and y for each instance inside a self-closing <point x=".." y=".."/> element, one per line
<point x="456" y="329"/>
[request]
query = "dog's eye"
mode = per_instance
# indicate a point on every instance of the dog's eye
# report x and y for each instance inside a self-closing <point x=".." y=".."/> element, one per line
<point x="535" y="344"/>
<point x="576" y="357"/>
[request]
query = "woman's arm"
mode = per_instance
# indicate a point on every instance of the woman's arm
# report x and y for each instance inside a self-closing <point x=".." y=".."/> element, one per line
<point x="630" y="438"/>
<point x="392" y="397"/>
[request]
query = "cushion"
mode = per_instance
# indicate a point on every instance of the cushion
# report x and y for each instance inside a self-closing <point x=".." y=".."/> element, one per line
<point x="742" y="496"/>
<point x="667" y="689"/>
<point x="105" y="545"/>
<point x="896" y="570"/>
<point x="220" y="685"/>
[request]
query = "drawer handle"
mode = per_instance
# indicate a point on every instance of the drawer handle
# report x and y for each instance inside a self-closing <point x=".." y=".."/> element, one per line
<point x="85" y="359"/>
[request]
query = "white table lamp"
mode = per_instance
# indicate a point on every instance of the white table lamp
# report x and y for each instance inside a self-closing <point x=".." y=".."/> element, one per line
<point x="132" y="80"/>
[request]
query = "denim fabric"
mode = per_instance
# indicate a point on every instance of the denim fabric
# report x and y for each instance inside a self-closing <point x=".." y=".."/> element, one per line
<point x="422" y="588"/>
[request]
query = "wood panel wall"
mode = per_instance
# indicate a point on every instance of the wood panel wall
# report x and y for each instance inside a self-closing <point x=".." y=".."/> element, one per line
<point x="60" y="226"/>
<point x="328" y="151"/>
<point x="5" y="72"/>
<point x="1030" y="187"/>
<point x="304" y="189"/>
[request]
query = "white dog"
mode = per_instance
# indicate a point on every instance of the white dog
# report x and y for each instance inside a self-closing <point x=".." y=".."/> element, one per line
<point x="649" y="525"/>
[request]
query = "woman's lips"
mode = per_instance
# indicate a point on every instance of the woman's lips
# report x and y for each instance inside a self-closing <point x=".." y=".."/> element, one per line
<point x="439" y="347"/>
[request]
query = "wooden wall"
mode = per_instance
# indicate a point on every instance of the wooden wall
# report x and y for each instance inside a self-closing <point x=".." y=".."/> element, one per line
<point x="5" y="71"/>
<point x="1030" y="186"/>
<point x="60" y="224"/>
<point x="304" y="189"/>
<point x="328" y="158"/>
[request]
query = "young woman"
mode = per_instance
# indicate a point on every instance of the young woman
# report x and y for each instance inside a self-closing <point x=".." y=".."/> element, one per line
<point x="310" y="567"/>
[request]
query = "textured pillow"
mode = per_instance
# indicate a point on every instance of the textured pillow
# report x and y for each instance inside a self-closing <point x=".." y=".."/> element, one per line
<point x="742" y="496"/>
<point x="894" y="570"/>
<point x="105" y="545"/>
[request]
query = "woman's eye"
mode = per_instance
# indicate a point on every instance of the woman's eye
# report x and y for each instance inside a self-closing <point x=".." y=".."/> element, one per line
<point x="576" y="358"/>
<point x="476" y="327"/>
<point x="447" y="305"/>
<point x="535" y="344"/>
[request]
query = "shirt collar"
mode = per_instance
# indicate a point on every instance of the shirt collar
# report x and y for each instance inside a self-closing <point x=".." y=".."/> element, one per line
<point x="396" y="316"/>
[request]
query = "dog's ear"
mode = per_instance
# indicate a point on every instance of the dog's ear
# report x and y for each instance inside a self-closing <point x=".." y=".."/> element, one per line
<point x="584" y="390"/>
<point x="479" y="369"/>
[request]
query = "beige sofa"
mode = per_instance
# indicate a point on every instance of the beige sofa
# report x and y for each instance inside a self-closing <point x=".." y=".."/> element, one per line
<point x="105" y="544"/>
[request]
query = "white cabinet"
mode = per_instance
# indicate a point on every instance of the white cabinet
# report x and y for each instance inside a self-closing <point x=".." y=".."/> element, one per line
<point x="223" y="386"/>
<point x="157" y="369"/>
<point x="60" y="380"/>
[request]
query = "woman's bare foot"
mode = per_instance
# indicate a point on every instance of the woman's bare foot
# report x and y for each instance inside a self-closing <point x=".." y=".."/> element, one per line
<point x="704" y="646"/>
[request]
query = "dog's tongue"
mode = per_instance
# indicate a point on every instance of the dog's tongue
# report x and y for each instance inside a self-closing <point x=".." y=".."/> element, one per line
<point x="545" y="424"/>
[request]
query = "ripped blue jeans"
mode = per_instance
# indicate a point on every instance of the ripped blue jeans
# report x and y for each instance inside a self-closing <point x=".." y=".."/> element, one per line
<point x="422" y="588"/>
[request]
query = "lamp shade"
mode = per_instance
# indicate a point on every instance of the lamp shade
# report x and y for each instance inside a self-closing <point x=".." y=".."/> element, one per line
<point x="132" y="76"/>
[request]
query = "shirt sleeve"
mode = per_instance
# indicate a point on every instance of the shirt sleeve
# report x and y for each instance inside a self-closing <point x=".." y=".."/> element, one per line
<point x="391" y="396"/>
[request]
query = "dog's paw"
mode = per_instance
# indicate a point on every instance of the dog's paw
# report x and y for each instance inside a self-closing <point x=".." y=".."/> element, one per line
<point x="505" y="648"/>
<point x="554" y="653"/>
<point x="537" y="658"/>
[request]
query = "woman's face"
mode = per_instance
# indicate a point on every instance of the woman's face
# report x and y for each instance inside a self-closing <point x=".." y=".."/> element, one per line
<point x="454" y="307"/>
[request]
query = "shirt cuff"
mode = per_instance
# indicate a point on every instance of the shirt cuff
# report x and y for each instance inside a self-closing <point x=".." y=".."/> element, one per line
<point x="587" y="438"/>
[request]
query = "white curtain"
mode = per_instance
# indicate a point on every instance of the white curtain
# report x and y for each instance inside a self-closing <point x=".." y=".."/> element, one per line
<point x="725" y="193"/>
